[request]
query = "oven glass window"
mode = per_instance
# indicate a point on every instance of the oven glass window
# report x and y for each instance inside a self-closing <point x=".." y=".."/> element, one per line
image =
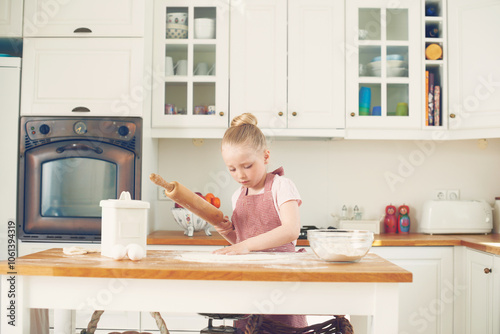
<point x="73" y="187"/>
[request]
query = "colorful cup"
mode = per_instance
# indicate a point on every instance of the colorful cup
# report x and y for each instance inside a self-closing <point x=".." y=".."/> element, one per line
<point x="365" y="97"/>
<point x="402" y="109"/>
<point x="169" y="109"/>
<point x="200" y="110"/>
<point x="377" y="111"/>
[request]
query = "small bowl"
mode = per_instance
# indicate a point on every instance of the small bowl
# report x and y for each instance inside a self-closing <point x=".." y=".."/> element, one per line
<point x="389" y="57"/>
<point x="177" y="31"/>
<point x="391" y="72"/>
<point x="190" y="222"/>
<point x="335" y="245"/>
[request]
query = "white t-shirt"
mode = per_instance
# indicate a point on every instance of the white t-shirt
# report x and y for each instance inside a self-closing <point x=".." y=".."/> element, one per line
<point x="283" y="190"/>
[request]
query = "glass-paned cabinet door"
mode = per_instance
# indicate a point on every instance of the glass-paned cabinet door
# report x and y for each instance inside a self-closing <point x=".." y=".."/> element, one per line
<point x="383" y="64"/>
<point x="190" y="64"/>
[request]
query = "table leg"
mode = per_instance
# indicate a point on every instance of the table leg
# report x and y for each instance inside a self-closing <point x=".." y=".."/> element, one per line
<point x="385" y="319"/>
<point x="64" y="321"/>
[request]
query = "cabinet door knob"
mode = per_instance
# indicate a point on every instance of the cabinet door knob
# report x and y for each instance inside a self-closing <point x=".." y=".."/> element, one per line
<point x="353" y="114"/>
<point x="487" y="270"/>
<point x="221" y="113"/>
<point x="280" y="113"/>
<point x="294" y="114"/>
<point x="452" y="115"/>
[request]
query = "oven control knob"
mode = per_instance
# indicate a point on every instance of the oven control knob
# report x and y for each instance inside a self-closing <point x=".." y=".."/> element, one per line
<point x="44" y="129"/>
<point x="123" y="130"/>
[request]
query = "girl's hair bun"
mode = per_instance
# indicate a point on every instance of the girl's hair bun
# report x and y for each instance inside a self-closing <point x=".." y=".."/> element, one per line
<point x="245" y="118"/>
<point x="244" y="131"/>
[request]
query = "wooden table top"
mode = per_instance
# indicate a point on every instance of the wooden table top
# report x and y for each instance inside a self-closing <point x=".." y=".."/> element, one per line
<point x="163" y="264"/>
<point x="488" y="243"/>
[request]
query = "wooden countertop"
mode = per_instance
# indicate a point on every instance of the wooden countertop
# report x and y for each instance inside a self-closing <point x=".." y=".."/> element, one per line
<point x="488" y="243"/>
<point x="296" y="267"/>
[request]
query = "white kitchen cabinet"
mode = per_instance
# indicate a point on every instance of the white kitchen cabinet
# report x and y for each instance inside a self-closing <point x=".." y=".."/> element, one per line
<point x="482" y="292"/>
<point x="474" y="69"/>
<point x="287" y="63"/>
<point x="11" y="18"/>
<point x="383" y="57"/>
<point x="190" y="90"/>
<point x="426" y="304"/>
<point x="82" y="77"/>
<point x="94" y="18"/>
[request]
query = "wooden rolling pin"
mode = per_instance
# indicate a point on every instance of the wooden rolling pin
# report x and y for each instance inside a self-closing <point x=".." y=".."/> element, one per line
<point x="189" y="200"/>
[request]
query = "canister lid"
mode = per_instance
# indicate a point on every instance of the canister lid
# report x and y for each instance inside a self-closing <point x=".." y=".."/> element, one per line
<point x="124" y="201"/>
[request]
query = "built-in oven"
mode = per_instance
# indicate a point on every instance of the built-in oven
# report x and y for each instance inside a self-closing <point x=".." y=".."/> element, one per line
<point x="67" y="166"/>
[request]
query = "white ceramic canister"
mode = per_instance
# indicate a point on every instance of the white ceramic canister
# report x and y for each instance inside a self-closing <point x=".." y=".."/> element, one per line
<point x="124" y="222"/>
<point x="496" y="215"/>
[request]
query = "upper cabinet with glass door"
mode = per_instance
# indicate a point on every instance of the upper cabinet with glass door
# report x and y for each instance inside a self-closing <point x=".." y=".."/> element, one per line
<point x="190" y="61"/>
<point x="383" y="65"/>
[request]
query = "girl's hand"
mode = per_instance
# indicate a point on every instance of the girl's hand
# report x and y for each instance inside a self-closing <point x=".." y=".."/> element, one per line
<point x="236" y="249"/>
<point x="225" y="227"/>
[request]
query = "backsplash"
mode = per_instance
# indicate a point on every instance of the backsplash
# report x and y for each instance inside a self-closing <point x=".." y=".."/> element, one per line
<point x="329" y="174"/>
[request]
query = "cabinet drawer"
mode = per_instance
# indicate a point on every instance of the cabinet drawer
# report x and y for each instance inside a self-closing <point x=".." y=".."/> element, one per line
<point x="47" y="18"/>
<point x="82" y="77"/>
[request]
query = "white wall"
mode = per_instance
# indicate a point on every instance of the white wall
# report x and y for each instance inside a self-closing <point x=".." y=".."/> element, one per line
<point x="329" y="174"/>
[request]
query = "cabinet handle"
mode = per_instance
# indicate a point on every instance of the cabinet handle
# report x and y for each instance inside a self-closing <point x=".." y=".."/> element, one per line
<point x="353" y="114"/>
<point x="452" y="115"/>
<point x="487" y="270"/>
<point x="294" y="114"/>
<point x="280" y="113"/>
<point x="85" y="30"/>
<point x="221" y="113"/>
<point x="81" y="109"/>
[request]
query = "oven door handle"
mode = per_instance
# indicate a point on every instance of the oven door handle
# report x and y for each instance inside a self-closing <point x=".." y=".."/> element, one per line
<point x="79" y="147"/>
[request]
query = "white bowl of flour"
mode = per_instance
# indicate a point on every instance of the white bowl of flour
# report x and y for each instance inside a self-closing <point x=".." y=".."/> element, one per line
<point x="334" y="245"/>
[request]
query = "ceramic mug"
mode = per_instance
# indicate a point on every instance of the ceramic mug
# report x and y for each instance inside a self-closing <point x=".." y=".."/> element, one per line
<point x="200" y="110"/>
<point x="169" y="109"/>
<point x="169" y="66"/>
<point x="201" y="69"/>
<point x="211" y="110"/>
<point x="181" y="67"/>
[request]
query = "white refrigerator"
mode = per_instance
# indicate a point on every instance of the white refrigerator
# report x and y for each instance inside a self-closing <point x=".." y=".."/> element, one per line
<point x="10" y="84"/>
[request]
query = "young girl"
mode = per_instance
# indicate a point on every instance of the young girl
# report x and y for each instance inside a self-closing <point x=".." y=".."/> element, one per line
<point x="265" y="207"/>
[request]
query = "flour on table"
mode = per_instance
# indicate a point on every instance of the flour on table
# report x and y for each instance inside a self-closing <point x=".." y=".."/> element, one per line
<point x="210" y="257"/>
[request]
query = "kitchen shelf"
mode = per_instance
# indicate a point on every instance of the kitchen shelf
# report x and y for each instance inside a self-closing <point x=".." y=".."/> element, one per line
<point x="437" y="68"/>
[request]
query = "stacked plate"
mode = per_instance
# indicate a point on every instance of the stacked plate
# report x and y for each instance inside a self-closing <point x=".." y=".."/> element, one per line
<point x="396" y="66"/>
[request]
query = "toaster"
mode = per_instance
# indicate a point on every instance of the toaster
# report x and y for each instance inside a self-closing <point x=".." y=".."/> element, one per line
<point x="455" y="217"/>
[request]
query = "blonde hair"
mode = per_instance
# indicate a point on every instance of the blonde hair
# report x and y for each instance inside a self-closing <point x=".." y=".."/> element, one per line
<point x="244" y="131"/>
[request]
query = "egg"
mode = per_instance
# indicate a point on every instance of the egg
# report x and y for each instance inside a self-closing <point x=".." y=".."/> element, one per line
<point x="135" y="252"/>
<point x="118" y="252"/>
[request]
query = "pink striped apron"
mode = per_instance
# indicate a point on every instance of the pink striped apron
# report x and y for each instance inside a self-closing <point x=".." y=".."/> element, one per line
<point x="254" y="215"/>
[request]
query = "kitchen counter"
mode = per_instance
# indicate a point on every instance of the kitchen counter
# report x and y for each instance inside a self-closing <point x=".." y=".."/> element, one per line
<point x="487" y="243"/>
<point x="165" y="281"/>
